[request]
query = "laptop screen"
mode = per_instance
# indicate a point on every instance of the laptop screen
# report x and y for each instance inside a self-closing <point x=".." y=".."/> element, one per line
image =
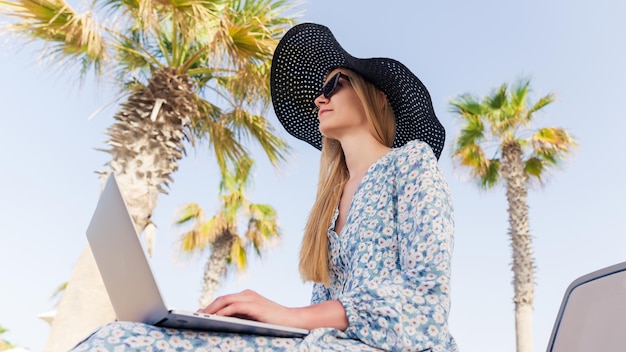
<point x="593" y="313"/>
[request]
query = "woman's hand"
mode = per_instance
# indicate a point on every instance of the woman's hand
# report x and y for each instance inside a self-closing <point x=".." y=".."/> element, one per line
<point x="250" y="305"/>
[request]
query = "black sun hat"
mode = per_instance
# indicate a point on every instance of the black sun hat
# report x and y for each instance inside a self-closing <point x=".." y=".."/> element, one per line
<point x="304" y="57"/>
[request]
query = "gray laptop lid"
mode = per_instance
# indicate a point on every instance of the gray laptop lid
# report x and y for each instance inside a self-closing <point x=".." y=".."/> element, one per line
<point x="592" y="316"/>
<point x="128" y="279"/>
<point x="130" y="283"/>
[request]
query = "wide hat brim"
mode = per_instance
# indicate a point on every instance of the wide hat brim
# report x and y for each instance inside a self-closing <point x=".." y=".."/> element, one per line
<point x="304" y="57"/>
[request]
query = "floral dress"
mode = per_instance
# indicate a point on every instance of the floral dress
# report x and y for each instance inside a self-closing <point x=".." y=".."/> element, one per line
<point x="390" y="268"/>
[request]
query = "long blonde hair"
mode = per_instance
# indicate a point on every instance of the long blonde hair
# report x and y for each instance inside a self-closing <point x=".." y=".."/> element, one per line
<point x="333" y="176"/>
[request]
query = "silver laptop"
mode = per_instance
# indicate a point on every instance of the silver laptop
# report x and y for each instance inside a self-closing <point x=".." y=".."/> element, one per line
<point x="130" y="283"/>
<point x="592" y="316"/>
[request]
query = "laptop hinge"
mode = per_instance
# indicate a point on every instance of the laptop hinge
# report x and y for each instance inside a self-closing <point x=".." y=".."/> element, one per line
<point x="158" y="323"/>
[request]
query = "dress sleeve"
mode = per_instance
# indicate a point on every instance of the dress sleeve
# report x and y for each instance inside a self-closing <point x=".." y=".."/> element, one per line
<point x="406" y="305"/>
<point x="319" y="293"/>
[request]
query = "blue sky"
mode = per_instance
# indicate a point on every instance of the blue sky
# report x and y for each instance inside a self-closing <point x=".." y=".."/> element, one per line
<point x="48" y="188"/>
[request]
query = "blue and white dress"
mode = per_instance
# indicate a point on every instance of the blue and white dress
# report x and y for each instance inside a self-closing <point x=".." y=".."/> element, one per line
<point x="390" y="268"/>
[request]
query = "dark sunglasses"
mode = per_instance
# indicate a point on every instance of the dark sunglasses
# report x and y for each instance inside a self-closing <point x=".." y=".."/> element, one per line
<point x="331" y="86"/>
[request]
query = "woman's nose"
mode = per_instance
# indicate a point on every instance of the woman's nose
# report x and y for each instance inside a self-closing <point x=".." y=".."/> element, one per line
<point x="319" y="100"/>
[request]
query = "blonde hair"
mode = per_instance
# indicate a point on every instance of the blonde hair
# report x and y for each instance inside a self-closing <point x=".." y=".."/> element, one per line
<point x="333" y="176"/>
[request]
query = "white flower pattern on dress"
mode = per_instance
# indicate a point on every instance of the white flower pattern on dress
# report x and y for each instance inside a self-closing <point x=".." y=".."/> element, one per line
<point x="389" y="267"/>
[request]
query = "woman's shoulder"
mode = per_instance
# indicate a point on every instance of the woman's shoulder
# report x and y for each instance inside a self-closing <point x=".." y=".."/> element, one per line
<point x="414" y="160"/>
<point x="413" y="151"/>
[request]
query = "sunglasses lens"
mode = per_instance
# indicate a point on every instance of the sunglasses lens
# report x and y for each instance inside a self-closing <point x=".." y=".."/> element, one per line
<point x="329" y="88"/>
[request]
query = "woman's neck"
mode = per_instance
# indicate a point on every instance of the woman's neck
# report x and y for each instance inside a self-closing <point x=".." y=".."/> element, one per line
<point x="361" y="154"/>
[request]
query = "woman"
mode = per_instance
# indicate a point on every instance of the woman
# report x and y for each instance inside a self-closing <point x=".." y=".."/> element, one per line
<point x="379" y="238"/>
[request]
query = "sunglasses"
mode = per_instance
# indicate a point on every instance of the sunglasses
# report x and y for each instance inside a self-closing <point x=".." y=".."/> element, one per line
<point x="331" y="86"/>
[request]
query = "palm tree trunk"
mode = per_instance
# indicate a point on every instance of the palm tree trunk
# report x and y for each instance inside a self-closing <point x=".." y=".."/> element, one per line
<point x="523" y="328"/>
<point x="521" y="243"/>
<point x="216" y="266"/>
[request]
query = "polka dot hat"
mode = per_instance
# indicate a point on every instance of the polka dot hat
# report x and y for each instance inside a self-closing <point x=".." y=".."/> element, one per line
<point x="308" y="52"/>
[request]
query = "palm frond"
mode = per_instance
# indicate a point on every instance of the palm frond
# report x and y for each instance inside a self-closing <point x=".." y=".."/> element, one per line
<point x="249" y="86"/>
<point x="471" y="156"/>
<point x="540" y="104"/>
<point x="196" y="12"/>
<point x="519" y="93"/>
<point x="140" y="15"/>
<point x="534" y="167"/>
<point x="471" y="133"/>
<point x="246" y="125"/>
<point x="491" y="174"/>
<point x="466" y="105"/>
<point x="262" y="225"/>
<point x="67" y="34"/>
<point x="189" y="212"/>
<point x="554" y="138"/>
<point x="231" y="204"/>
<point x="486" y="171"/>
<point x="210" y="125"/>
<point x="497" y="99"/>
<point x="237" y="255"/>
<point x="250" y="30"/>
<point x="552" y="144"/>
<point x="202" y="235"/>
<point x="242" y="171"/>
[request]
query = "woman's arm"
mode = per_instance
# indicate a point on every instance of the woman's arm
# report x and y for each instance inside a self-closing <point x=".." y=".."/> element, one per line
<point x="249" y="304"/>
<point x="327" y="314"/>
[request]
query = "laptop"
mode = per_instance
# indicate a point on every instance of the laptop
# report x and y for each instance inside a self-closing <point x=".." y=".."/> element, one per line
<point x="592" y="316"/>
<point x="130" y="283"/>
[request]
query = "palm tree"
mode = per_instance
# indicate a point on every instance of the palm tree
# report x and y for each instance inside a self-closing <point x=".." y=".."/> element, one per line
<point x="168" y="58"/>
<point x="496" y="141"/>
<point x="221" y="234"/>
